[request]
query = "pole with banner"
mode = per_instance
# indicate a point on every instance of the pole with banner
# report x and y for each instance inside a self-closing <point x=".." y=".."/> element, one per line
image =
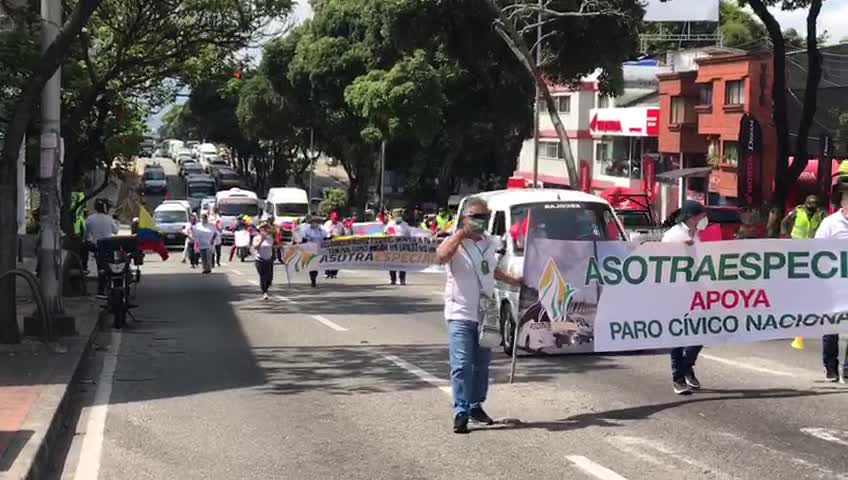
<point x="749" y="189"/>
<point x="649" y="176"/>
<point x="585" y="176"/>
<point x="824" y="173"/>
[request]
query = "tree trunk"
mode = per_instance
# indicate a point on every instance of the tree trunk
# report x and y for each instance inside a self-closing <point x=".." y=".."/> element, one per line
<point x="515" y="42"/>
<point x="47" y="65"/>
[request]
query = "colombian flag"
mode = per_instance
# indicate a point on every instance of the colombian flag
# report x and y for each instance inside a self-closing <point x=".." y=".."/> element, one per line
<point x="149" y="237"/>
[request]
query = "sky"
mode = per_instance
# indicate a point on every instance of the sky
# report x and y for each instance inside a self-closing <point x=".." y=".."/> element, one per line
<point x="833" y="18"/>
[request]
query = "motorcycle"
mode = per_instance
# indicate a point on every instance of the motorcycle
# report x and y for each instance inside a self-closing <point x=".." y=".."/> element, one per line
<point x="241" y="241"/>
<point x="118" y="259"/>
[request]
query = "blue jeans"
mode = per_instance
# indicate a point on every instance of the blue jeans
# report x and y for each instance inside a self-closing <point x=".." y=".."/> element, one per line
<point x="682" y="360"/>
<point x="469" y="366"/>
<point x="830" y="352"/>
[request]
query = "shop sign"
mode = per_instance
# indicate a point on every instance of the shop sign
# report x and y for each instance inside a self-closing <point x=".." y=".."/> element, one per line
<point x="625" y="122"/>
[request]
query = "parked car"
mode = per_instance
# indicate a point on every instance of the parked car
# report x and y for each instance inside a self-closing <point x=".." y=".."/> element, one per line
<point x="226" y="178"/>
<point x="154" y="179"/>
<point x="190" y="168"/>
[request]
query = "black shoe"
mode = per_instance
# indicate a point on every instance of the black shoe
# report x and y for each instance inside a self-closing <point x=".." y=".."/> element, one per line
<point x="692" y="380"/>
<point x="460" y="424"/>
<point x="480" y="416"/>
<point x="680" y="387"/>
<point x="831" y="375"/>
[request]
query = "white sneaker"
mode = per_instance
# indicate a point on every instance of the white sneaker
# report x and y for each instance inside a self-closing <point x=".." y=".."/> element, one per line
<point x="264" y="296"/>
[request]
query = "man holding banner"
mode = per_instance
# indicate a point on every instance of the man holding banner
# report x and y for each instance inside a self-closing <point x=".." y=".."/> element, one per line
<point x="470" y="258"/>
<point x="834" y="226"/>
<point x="693" y="219"/>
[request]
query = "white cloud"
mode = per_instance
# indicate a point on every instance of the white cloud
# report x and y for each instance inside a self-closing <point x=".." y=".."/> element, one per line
<point x="833" y="18"/>
<point x="302" y="10"/>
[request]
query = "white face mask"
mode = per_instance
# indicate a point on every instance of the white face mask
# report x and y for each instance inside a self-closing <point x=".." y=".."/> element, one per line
<point x="702" y="224"/>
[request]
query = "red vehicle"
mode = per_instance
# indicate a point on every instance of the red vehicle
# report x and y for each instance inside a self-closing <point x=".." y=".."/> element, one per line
<point x="725" y="223"/>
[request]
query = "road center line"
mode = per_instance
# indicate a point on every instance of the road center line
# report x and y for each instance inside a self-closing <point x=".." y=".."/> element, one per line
<point x="596" y="470"/>
<point x="745" y="366"/>
<point x="328" y="323"/>
<point x="285" y="299"/>
<point x="420" y="373"/>
<point x="839" y="437"/>
<point x="237" y="272"/>
<point x="92" y="445"/>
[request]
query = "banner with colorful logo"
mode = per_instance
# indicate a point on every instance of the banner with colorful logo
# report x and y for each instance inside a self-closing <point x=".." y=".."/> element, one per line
<point x="363" y="253"/>
<point x="617" y="296"/>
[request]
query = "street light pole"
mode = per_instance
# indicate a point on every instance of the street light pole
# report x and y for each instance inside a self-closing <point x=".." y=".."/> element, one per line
<point x="311" y="164"/>
<point x="51" y="151"/>
<point x="382" y="174"/>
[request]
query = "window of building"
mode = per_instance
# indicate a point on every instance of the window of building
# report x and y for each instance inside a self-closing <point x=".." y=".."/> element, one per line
<point x="603" y="152"/>
<point x="731" y="153"/>
<point x="603" y="101"/>
<point x="734" y="92"/>
<point x="564" y="104"/>
<point x="550" y="150"/>
<point x="682" y="112"/>
<point x="705" y="95"/>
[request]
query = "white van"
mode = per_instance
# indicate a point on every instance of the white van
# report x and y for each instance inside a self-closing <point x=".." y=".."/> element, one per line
<point x="232" y="204"/>
<point x="587" y="217"/>
<point x="285" y="206"/>
<point x="171" y="218"/>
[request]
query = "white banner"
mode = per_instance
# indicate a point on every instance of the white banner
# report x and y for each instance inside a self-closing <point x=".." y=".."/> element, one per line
<point x="363" y="253"/>
<point x="624" y="296"/>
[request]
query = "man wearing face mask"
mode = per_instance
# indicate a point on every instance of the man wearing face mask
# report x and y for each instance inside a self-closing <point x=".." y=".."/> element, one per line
<point x="803" y="221"/>
<point x="692" y="220"/>
<point x="834" y="226"/>
<point x="469" y="256"/>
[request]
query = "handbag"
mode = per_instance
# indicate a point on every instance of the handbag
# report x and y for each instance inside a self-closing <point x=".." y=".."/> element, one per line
<point x="488" y="316"/>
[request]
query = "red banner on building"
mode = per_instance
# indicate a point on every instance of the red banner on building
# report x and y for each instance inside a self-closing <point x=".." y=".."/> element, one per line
<point x="649" y="176"/>
<point x="585" y="176"/>
<point x="749" y="177"/>
<point x="825" y="168"/>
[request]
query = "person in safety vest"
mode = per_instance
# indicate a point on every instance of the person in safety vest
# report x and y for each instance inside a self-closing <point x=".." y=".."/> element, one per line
<point x="803" y="221"/>
<point x="442" y="218"/>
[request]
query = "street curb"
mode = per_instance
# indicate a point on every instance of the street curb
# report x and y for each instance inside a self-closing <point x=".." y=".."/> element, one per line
<point x="50" y="410"/>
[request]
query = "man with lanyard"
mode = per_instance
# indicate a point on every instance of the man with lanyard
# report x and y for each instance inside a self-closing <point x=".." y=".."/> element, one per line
<point x="99" y="226"/>
<point x="803" y="221"/>
<point x="470" y="259"/>
<point x="692" y="220"/>
<point x="397" y="228"/>
<point x="835" y="226"/>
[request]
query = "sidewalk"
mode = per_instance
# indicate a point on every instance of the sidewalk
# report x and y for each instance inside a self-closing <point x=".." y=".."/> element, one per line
<point x="34" y="382"/>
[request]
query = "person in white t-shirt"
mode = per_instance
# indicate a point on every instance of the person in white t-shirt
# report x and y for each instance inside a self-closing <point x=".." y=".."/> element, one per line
<point x="263" y="246"/>
<point x="204" y="235"/>
<point x="100" y="225"/>
<point x="397" y="228"/>
<point x="834" y="226"/>
<point x="470" y="258"/>
<point x="692" y="220"/>
<point x="334" y="228"/>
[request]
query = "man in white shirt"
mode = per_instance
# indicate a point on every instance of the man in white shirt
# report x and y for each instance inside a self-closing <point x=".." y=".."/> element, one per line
<point x="834" y="226"/>
<point x="204" y="234"/>
<point x="470" y="258"/>
<point x="314" y="233"/>
<point x="693" y="219"/>
<point x="397" y="228"/>
<point x="100" y="225"/>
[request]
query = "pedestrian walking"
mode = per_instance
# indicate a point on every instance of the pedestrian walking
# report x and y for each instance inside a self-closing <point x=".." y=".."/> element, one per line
<point x="204" y="238"/>
<point x="219" y="238"/>
<point x="803" y="221"/>
<point x="470" y="259"/>
<point x="334" y="228"/>
<point x="834" y="226"/>
<point x="263" y="247"/>
<point x="692" y="220"/>
<point x="315" y="233"/>
<point x="397" y="228"/>
<point x="189" y="252"/>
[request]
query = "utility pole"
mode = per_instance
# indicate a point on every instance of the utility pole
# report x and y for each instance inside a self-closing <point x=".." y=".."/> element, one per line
<point x="537" y="99"/>
<point x="21" y="199"/>
<point x="311" y="164"/>
<point x="382" y="174"/>
<point x="51" y="151"/>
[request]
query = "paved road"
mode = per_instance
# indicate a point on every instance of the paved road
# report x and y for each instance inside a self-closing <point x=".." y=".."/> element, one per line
<point x="346" y="381"/>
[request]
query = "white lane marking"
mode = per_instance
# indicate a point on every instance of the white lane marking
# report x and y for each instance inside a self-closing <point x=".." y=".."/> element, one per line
<point x="92" y="444"/>
<point x="241" y="274"/>
<point x="442" y="385"/>
<point x="253" y="282"/>
<point x="285" y="299"/>
<point x="438" y="292"/>
<point x="596" y="470"/>
<point x="828" y="435"/>
<point x="639" y="444"/>
<point x="745" y="366"/>
<point x="822" y="472"/>
<point x="328" y="323"/>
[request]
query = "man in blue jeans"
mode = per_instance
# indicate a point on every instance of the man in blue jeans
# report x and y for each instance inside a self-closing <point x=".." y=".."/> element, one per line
<point x="470" y="259"/>
<point x="834" y="226"/>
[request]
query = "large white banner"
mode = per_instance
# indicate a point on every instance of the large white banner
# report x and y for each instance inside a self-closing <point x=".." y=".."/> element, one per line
<point x="681" y="10"/>
<point x="619" y="296"/>
<point x="363" y="253"/>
